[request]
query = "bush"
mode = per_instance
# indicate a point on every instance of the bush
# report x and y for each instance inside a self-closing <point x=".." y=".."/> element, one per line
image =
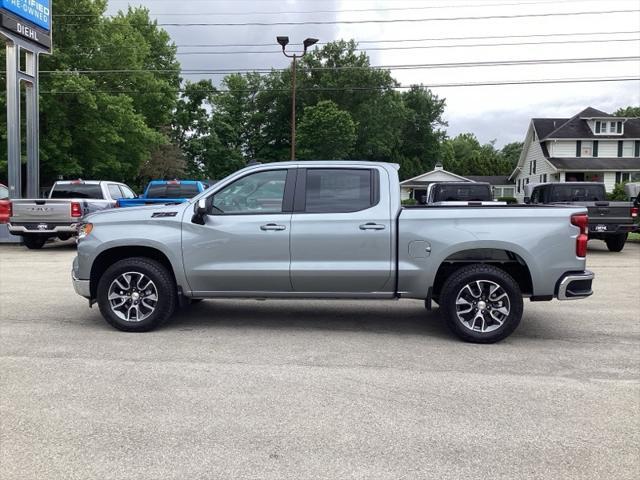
<point x="410" y="201"/>
<point x="618" y="193"/>
<point x="509" y="200"/>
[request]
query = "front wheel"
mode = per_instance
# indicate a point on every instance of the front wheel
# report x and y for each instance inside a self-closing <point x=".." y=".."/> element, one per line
<point x="136" y="294"/>
<point x="481" y="303"/>
<point x="615" y="243"/>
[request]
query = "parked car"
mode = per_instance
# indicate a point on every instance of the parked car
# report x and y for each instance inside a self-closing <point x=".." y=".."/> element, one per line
<point x="331" y="230"/>
<point x="5" y="204"/>
<point x="36" y="220"/>
<point x="164" y="192"/>
<point x="460" y="193"/>
<point x="608" y="221"/>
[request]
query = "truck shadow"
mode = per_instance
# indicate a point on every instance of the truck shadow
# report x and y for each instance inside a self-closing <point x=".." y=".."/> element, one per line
<point x="361" y="316"/>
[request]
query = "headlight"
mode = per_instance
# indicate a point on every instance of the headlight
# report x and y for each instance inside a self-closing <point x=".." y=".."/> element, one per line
<point x="84" y="230"/>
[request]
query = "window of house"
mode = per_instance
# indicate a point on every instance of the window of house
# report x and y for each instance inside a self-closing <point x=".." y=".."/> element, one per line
<point x="530" y="167"/>
<point x="595" y="148"/>
<point x="612" y="127"/>
<point x="535" y="162"/>
<point x="508" y="191"/>
<point x="518" y="185"/>
<point x="544" y="178"/>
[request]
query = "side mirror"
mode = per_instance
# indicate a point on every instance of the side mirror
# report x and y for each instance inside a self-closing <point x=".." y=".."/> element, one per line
<point x="527" y="200"/>
<point x="200" y="210"/>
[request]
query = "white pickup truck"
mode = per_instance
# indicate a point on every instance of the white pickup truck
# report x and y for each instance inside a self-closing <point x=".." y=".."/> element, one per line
<point x="332" y="230"/>
<point x="59" y="215"/>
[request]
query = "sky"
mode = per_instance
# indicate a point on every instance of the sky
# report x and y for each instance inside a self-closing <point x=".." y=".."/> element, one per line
<point x="497" y="112"/>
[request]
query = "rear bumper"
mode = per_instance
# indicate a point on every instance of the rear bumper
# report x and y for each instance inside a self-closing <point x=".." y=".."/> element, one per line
<point x="575" y="285"/>
<point x="612" y="230"/>
<point x="51" y="228"/>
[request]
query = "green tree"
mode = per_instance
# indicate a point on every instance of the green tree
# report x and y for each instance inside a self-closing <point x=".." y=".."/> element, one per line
<point x="326" y="132"/>
<point x="627" y="112"/>
<point x="511" y="153"/>
<point x="104" y="125"/>
<point x="465" y="155"/>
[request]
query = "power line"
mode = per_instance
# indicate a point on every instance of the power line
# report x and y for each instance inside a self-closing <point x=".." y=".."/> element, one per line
<point x="493" y="63"/>
<point x="364" y="89"/>
<point x="347" y="10"/>
<point x="377" y="21"/>
<point x="421" y="47"/>
<point x="489" y="37"/>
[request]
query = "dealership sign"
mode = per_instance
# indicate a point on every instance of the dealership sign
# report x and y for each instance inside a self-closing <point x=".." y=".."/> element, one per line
<point x="28" y="19"/>
<point x="38" y="12"/>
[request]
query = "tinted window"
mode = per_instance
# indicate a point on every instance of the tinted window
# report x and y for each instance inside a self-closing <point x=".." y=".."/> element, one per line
<point x="114" y="191"/>
<point x="577" y="193"/>
<point x="4" y="192"/>
<point x="261" y="192"/>
<point x="464" y="193"/>
<point x="338" y="190"/>
<point x="76" y="190"/>
<point x="178" y="190"/>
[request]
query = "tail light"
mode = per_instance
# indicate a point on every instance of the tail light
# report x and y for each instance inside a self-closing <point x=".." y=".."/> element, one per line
<point x="76" y="210"/>
<point x="581" y="220"/>
<point x="634" y="212"/>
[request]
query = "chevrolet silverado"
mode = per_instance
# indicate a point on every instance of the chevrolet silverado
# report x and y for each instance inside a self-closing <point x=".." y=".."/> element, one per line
<point x="336" y="230"/>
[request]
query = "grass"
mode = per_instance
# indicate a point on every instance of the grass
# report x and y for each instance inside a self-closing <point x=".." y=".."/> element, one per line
<point x="634" y="237"/>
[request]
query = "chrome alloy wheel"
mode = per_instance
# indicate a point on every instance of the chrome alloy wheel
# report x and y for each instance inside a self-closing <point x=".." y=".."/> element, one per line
<point x="133" y="296"/>
<point x="482" y="306"/>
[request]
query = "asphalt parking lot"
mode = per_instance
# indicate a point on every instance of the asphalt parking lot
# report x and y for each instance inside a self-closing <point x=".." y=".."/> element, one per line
<point x="311" y="389"/>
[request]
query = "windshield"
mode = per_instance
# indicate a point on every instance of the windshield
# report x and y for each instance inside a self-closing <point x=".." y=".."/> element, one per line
<point x="577" y="193"/>
<point x="76" y="190"/>
<point x="4" y="192"/>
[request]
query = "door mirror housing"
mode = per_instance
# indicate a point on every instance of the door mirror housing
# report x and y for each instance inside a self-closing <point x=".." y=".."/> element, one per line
<point x="201" y="210"/>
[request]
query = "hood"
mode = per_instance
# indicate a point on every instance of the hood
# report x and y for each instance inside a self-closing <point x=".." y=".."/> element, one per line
<point x="138" y="214"/>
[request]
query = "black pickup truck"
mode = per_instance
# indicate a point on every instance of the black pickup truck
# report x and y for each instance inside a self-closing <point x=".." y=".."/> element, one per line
<point x="608" y="221"/>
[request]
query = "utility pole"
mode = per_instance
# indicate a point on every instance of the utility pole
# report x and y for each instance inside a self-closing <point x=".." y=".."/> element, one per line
<point x="284" y="41"/>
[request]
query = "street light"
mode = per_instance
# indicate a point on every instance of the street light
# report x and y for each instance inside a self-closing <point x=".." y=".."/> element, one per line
<point x="284" y="41"/>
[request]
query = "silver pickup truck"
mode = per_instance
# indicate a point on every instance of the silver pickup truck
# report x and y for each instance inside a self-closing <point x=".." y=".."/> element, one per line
<point x="333" y="230"/>
<point x="59" y="215"/>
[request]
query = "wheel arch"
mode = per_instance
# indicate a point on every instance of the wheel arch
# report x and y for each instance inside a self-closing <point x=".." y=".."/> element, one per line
<point x="504" y="258"/>
<point x="109" y="256"/>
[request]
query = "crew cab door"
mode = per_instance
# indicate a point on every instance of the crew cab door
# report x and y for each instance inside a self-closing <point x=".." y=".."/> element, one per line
<point x="243" y="245"/>
<point x="341" y="231"/>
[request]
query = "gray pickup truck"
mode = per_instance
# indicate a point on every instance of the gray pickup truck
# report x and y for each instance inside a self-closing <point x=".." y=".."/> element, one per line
<point x="59" y="215"/>
<point x="335" y="230"/>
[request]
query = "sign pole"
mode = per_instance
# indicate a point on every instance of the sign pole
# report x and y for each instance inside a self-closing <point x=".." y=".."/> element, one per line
<point x="33" y="126"/>
<point x="13" y="121"/>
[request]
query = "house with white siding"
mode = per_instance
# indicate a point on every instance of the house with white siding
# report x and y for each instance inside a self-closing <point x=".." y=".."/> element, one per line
<point x="592" y="146"/>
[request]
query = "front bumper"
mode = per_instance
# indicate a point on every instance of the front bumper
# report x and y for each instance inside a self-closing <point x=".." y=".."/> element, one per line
<point x="82" y="287"/>
<point x="575" y="285"/>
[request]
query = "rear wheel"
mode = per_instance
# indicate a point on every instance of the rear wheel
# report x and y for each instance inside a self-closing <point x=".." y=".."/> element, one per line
<point x="481" y="303"/>
<point x="136" y="294"/>
<point x="615" y="243"/>
<point x="34" y="242"/>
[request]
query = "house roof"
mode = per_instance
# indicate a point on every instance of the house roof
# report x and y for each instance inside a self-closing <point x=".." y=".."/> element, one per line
<point x="599" y="163"/>
<point x="491" y="179"/>
<point x="422" y="178"/>
<point x="577" y="127"/>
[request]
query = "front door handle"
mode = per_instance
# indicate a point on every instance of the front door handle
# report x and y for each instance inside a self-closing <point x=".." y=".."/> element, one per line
<point x="272" y="226"/>
<point x="372" y="226"/>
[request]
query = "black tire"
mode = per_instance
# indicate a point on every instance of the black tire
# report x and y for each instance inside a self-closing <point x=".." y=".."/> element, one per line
<point x="193" y="301"/>
<point x="167" y="294"/>
<point x="615" y="243"/>
<point x="470" y="274"/>
<point x="34" y="242"/>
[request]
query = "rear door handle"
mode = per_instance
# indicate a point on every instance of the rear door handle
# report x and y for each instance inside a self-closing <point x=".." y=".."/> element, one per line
<point x="372" y="226"/>
<point x="272" y="226"/>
